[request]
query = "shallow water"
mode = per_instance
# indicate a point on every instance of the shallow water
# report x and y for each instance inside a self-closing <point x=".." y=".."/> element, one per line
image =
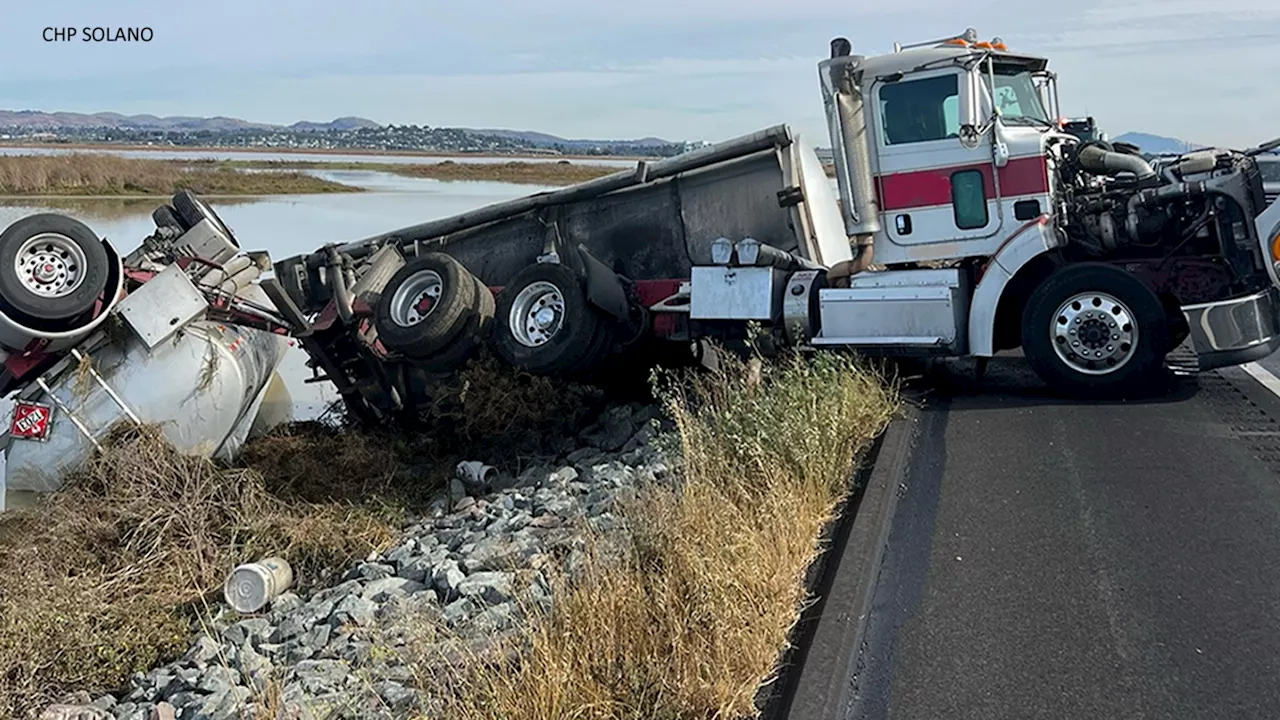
<point x="292" y="224"/>
<point x="306" y="157"/>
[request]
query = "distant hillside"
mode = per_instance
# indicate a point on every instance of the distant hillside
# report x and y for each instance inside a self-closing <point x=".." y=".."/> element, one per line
<point x="544" y="139"/>
<point x="344" y="132"/>
<point x="1157" y="144"/>
<point x="36" y="120"/>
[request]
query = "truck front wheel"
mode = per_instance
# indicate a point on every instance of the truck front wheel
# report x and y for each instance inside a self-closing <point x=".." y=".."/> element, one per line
<point x="1092" y="329"/>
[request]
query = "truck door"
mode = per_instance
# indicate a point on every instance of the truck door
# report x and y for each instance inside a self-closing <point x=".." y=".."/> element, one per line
<point x="933" y="187"/>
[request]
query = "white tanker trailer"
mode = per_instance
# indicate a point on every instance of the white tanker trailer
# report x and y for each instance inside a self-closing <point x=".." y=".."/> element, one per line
<point x="177" y="335"/>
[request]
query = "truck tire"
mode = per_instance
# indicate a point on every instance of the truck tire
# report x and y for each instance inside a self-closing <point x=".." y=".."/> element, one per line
<point x="165" y="216"/>
<point x="471" y="338"/>
<point x="191" y="210"/>
<point x="544" y="323"/>
<point x="1092" y="329"/>
<point x="426" y="305"/>
<point x="52" y="268"/>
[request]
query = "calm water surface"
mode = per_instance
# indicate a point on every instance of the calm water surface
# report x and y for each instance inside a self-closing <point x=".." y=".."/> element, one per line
<point x="304" y="157"/>
<point x="293" y="224"/>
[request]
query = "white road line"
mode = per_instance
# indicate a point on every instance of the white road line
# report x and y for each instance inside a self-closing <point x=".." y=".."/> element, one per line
<point x="1263" y="376"/>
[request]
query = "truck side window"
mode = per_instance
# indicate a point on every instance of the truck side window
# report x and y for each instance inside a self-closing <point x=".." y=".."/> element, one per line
<point x="969" y="199"/>
<point x="920" y="110"/>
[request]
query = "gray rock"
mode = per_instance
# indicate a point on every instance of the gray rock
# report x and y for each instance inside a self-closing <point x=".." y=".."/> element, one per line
<point x="445" y="578"/>
<point x="185" y="699"/>
<point x="317" y="637"/>
<point x="402" y="553"/>
<point x="255" y="668"/>
<point x="397" y="697"/>
<point x="356" y="653"/>
<point x="222" y="705"/>
<point x="106" y="702"/>
<point x="285" y="603"/>
<point x="290" y="628"/>
<point x="370" y="571"/>
<point x="498" y="553"/>
<point x="245" y="630"/>
<point x="319" y="677"/>
<point x="641" y="438"/>
<point x="218" y="679"/>
<point x="490" y="588"/>
<point x="457" y="491"/>
<point x="336" y="593"/>
<point x="317" y="611"/>
<point x="416" y="569"/>
<point x="611" y="431"/>
<point x="129" y="711"/>
<point x="162" y="711"/>
<point x="205" y="651"/>
<point x="458" y="611"/>
<point x="379" y="590"/>
<point x="582" y="456"/>
<point x="352" y="609"/>
<point x="495" y="619"/>
<point x="465" y="503"/>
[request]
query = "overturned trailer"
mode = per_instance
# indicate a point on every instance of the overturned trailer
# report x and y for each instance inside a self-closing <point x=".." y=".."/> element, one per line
<point x="177" y="335"/>
<point x="579" y="273"/>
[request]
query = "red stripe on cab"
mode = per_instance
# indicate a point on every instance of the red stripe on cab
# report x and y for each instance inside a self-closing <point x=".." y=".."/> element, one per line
<point x="925" y="188"/>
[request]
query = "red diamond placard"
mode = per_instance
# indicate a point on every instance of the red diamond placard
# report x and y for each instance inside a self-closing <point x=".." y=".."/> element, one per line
<point x="30" y="421"/>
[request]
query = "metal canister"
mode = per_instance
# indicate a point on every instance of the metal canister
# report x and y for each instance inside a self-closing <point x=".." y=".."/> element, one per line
<point x="251" y="586"/>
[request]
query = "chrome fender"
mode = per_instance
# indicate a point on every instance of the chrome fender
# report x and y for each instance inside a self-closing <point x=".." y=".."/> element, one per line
<point x="1034" y="238"/>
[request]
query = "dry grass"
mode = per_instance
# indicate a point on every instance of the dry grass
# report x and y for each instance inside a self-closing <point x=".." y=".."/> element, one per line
<point x="560" y="172"/>
<point x="111" y="175"/>
<point x="106" y="578"/>
<point x="692" y="618"/>
<point x="109" y="576"/>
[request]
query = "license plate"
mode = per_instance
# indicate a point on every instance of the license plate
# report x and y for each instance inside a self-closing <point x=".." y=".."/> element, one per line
<point x="30" y="421"/>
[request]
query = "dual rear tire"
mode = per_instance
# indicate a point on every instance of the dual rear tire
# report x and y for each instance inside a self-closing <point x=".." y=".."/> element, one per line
<point x="436" y="314"/>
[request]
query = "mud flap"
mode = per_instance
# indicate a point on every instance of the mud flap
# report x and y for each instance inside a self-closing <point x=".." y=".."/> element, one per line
<point x="604" y="288"/>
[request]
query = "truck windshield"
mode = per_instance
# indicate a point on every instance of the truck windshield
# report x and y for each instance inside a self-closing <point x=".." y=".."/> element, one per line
<point x="1018" y="97"/>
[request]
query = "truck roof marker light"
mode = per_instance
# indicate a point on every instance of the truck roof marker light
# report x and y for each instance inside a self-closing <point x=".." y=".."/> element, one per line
<point x="998" y="44"/>
<point x="984" y="45"/>
<point x="956" y="41"/>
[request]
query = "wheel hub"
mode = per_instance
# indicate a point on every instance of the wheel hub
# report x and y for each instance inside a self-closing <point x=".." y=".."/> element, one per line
<point x="416" y="298"/>
<point x="1094" y="333"/>
<point x="537" y="314"/>
<point x="50" y="265"/>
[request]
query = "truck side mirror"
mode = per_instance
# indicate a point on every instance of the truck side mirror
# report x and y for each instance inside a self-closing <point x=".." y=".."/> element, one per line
<point x="967" y="109"/>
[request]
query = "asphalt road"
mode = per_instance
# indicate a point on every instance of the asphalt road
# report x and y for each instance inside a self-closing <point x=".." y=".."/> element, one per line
<point x="1053" y="559"/>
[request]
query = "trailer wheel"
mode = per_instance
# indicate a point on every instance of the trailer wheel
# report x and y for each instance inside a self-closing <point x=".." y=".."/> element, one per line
<point x="426" y="305"/>
<point x="1093" y="329"/>
<point x="191" y="210"/>
<point x="544" y="323"/>
<point x="52" y="267"/>
<point x="471" y="338"/>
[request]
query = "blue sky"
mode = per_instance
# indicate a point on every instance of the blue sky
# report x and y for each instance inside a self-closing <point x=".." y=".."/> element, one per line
<point x="680" y="69"/>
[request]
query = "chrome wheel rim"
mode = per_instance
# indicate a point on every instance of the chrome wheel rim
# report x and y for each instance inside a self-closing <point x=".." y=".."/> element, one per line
<point x="1094" y="333"/>
<point x="416" y="298"/>
<point x="537" y="314"/>
<point x="50" y="265"/>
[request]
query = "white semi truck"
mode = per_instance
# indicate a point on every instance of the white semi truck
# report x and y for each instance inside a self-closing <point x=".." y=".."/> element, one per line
<point x="967" y="219"/>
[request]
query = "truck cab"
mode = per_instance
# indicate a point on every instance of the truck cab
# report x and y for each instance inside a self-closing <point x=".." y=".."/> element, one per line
<point x="979" y="223"/>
